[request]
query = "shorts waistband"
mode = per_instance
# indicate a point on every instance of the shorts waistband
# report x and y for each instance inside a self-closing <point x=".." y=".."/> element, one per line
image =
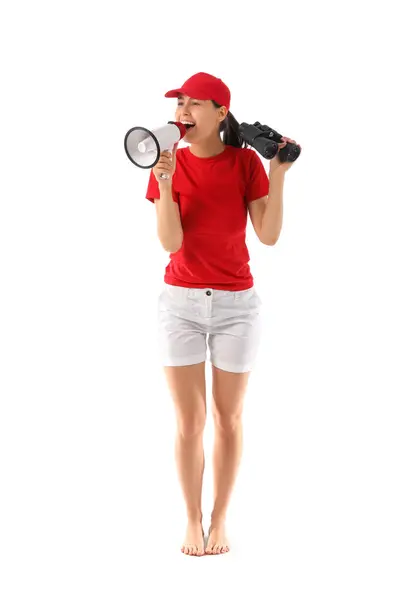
<point x="185" y="292"/>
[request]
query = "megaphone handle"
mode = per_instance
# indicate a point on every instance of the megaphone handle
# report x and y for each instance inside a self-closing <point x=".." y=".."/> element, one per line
<point x="165" y="175"/>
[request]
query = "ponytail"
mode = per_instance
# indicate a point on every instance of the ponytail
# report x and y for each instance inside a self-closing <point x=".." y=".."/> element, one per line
<point x="230" y="130"/>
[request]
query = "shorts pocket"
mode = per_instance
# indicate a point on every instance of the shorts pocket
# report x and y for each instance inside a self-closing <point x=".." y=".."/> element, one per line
<point x="258" y="297"/>
<point x="171" y="299"/>
<point x="249" y="300"/>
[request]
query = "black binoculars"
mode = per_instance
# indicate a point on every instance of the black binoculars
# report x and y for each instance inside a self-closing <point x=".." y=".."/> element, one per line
<point x="265" y="140"/>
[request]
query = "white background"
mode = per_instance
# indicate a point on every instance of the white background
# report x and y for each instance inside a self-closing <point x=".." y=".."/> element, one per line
<point x="90" y="504"/>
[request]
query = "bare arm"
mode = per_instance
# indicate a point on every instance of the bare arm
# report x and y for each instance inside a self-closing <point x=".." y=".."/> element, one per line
<point x="169" y="225"/>
<point x="271" y="223"/>
<point x="266" y="213"/>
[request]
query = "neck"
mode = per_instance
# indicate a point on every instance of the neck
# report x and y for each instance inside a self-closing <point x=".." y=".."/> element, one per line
<point x="207" y="148"/>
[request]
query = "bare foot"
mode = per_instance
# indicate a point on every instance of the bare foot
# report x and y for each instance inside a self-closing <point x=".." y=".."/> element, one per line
<point x="194" y="540"/>
<point x="217" y="540"/>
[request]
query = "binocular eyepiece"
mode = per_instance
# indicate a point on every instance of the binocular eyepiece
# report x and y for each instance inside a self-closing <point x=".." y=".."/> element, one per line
<point x="265" y="140"/>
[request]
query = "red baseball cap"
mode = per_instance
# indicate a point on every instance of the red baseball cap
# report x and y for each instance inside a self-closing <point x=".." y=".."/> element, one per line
<point x="204" y="87"/>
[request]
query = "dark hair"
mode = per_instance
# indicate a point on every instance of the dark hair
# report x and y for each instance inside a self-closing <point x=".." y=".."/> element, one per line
<point x="230" y="130"/>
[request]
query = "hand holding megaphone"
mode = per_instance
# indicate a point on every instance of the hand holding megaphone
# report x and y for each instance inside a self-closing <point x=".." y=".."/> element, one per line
<point x="165" y="168"/>
<point x="145" y="147"/>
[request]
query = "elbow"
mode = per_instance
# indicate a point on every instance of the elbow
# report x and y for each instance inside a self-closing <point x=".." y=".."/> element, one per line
<point x="172" y="247"/>
<point x="269" y="238"/>
<point x="270" y="241"/>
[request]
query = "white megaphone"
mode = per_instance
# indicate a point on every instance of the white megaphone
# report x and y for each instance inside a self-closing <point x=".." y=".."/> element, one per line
<point x="144" y="146"/>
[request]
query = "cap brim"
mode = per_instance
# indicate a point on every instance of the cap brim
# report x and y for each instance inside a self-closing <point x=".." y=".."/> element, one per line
<point x="174" y="93"/>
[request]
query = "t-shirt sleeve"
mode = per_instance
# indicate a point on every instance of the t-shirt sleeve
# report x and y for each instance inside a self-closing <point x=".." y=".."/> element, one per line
<point x="153" y="191"/>
<point x="258" y="182"/>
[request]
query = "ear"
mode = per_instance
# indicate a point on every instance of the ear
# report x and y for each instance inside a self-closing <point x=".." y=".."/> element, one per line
<point x="223" y="112"/>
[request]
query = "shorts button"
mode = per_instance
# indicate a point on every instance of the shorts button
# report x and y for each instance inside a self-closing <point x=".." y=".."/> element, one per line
<point x="208" y="293"/>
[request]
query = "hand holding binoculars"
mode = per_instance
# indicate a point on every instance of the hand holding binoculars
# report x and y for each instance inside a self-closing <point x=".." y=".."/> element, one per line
<point x="265" y="140"/>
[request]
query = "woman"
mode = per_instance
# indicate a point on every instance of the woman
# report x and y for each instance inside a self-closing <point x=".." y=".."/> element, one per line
<point x="208" y="287"/>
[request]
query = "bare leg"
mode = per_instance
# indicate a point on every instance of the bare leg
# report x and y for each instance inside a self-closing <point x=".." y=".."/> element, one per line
<point x="187" y="385"/>
<point x="228" y="394"/>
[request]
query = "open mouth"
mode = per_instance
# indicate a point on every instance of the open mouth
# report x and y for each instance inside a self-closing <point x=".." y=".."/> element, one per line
<point x="188" y="125"/>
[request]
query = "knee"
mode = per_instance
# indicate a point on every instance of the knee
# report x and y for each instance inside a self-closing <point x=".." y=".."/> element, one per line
<point x="191" y="426"/>
<point x="227" y="422"/>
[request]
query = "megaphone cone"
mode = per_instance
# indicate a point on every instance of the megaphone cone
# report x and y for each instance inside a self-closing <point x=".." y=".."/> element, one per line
<point x="143" y="146"/>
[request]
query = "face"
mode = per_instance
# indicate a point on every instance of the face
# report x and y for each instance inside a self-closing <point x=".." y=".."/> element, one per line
<point x="203" y="113"/>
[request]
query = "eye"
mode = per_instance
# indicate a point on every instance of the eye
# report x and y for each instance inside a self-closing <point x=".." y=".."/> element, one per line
<point x="180" y="103"/>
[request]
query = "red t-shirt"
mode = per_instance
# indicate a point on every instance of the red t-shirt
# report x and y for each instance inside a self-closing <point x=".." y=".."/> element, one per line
<point x="212" y="194"/>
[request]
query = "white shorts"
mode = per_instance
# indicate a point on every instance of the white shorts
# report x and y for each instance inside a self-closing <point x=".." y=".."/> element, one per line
<point x="231" y="320"/>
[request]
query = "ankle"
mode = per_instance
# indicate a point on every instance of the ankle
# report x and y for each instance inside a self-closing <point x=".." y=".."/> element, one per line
<point x="195" y="517"/>
<point x="217" y="519"/>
